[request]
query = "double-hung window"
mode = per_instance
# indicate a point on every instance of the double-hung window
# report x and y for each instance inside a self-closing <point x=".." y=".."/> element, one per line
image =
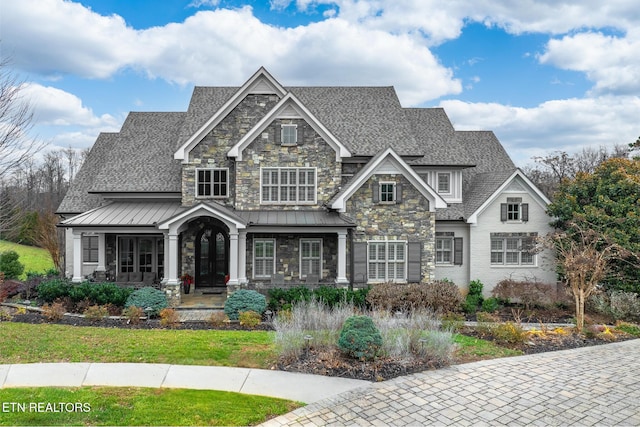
<point x="387" y="192"/>
<point x="514" y="210"/>
<point x="444" y="250"/>
<point x="89" y="248"/>
<point x="289" y="134"/>
<point x="212" y="182"/>
<point x="264" y="258"/>
<point x="444" y="183"/>
<point x="512" y="251"/>
<point x="387" y="261"/>
<point x="310" y="257"/>
<point x="288" y="185"/>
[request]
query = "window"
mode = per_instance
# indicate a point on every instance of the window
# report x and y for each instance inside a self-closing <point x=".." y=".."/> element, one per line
<point x="387" y="192"/>
<point x="144" y="253"/>
<point x="212" y="182"/>
<point x="387" y="261"/>
<point x="310" y="257"/>
<point x="89" y="248"/>
<point x="288" y="185"/>
<point x="444" y="250"/>
<point x="514" y="210"/>
<point x="512" y="250"/>
<point x="264" y="258"/>
<point x="289" y="135"/>
<point x="444" y="183"/>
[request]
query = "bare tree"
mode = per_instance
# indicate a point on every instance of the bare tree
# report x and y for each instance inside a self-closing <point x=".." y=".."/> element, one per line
<point x="46" y="236"/>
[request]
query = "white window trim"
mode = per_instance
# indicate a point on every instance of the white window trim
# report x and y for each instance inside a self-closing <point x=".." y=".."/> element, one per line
<point x="394" y="195"/>
<point x="253" y="268"/>
<point x="450" y="185"/>
<point x="288" y="144"/>
<point x="197" y="181"/>
<point x="504" y="251"/>
<point x="405" y="261"/>
<point x="451" y="250"/>
<point x="289" y="202"/>
<point x="321" y="256"/>
<point x="519" y="220"/>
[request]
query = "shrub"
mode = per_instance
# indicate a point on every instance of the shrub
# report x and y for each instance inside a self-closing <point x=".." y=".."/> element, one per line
<point x="10" y="265"/>
<point x="133" y="314"/>
<point x="624" y="305"/>
<point x="452" y="322"/>
<point x="250" y="318"/>
<point x="54" y="312"/>
<point x="96" y="312"/>
<point x="51" y="290"/>
<point x="284" y="299"/>
<point x="360" y="338"/>
<point x="475" y="288"/>
<point x="509" y="333"/>
<point x="529" y="293"/>
<point x="151" y="300"/>
<point x="8" y="288"/>
<point x="490" y="305"/>
<point x="100" y="293"/>
<point x="629" y="328"/>
<point x="441" y="296"/>
<point x="471" y="303"/>
<point x="218" y="318"/>
<point x="244" y="300"/>
<point x="169" y="317"/>
<point x="5" y="316"/>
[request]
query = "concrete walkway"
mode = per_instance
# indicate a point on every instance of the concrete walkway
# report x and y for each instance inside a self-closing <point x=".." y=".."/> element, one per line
<point x="287" y="385"/>
<point x="590" y="386"/>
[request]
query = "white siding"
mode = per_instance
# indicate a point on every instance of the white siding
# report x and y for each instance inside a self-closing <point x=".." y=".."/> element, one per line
<point x="458" y="274"/>
<point x="489" y="222"/>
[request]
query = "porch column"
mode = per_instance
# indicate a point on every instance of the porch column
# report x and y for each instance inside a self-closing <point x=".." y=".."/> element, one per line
<point x="242" y="257"/>
<point x="341" y="276"/>
<point x="166" y="258"/>
<point x="102" y="252"/>
<point x="172" y="255"/>
<point x="77" y="257"/>
<point x="233" y="258"/>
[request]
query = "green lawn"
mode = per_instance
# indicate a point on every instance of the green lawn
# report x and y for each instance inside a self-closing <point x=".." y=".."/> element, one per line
<point x="26" y="343"/>
<point x="34" y="259"/>
<point x="119" y="406"/>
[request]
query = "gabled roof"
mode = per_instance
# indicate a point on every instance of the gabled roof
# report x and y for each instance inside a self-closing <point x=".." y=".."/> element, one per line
<point x="339" y="201"/>
<point x="516" y="174"/>
<point x="260" y="82"/>
<point x="289" y="103"/>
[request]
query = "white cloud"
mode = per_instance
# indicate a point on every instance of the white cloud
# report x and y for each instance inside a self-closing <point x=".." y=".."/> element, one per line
<point x="567" y="125"/>
<point x="55" y="107"/>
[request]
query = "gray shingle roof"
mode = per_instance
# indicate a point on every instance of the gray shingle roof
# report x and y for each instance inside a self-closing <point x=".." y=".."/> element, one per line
<point x="142" y="158"/>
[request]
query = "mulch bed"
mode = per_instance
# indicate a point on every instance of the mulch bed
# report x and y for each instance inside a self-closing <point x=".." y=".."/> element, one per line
<point x="331" y="362"/>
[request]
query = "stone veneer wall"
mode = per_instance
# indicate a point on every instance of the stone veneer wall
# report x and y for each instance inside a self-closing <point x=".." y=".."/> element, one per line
<point x="311" y="151"/>
<point x="408" y="220"/>
<point x="211" y="152"/>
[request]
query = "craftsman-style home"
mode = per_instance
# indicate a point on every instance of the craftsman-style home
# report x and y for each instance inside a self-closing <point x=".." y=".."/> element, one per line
<point x="266" y="185"/>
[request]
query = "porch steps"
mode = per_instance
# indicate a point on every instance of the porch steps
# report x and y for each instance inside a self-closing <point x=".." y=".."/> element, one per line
<point x="196" y="314"/>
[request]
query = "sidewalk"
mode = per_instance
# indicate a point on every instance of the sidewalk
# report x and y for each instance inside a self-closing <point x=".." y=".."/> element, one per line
<point x="287" y="385"/>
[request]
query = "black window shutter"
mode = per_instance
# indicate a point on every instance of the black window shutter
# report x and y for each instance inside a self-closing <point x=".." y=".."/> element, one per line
<point x="399" y="192"/>
<point x="359" y="262"/>
<point x="414" y="272"/>
<point x="278" y="134"/>
<point x="503" y="212"/>
<point x="457" y="251"/>
<point x="525" y="211"/>
<point x="375" y="190"/>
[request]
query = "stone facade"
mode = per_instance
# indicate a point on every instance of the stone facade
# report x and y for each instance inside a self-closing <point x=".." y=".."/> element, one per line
<point x="408" y="220"/>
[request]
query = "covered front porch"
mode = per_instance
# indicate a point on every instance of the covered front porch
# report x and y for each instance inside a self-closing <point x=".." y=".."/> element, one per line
<point x="215" y="248"/>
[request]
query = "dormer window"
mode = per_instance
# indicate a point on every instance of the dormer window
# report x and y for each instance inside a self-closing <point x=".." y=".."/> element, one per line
<point x="444" y="183"/>
<point x="212" y="183"/>
<point x="289" y="134"/>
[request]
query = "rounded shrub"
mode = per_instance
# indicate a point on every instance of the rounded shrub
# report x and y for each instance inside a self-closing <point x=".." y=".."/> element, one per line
<point x="244" y="300"/>
<point x="360" y="338"/>
<point x="51" y="290"/>
<point x="10" y="265"/>
<point x="151" y="300"/>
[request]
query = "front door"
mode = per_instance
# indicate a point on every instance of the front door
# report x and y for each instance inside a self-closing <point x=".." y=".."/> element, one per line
<point x="212" y="257"/>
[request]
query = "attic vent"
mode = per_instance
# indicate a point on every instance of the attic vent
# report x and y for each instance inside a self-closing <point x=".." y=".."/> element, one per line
<point x="514" y="199"/>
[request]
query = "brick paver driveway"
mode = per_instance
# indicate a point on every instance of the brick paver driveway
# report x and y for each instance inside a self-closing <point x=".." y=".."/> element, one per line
<point x="589" y="386"/>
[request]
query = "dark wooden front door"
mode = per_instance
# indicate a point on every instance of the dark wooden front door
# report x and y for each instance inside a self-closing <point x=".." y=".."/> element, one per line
<point x="212" y="257"/>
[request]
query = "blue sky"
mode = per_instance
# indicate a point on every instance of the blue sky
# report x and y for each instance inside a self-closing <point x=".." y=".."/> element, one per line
<point x="542" y="75"/>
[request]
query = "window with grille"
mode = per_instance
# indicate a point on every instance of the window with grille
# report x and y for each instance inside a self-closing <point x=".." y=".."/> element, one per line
<point x="444" y="250"/>
<point x="89" y="248"/>
<point x="387" y="261"/>
<point x="387" y="192"/>
<point x="289" y="135"/>
<point x="512" y="251"/>
<point x="264" y="255"/>
<point x="212" y="182"/>
<point x="288" y="185"/>
<point x="310" y="257"/>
